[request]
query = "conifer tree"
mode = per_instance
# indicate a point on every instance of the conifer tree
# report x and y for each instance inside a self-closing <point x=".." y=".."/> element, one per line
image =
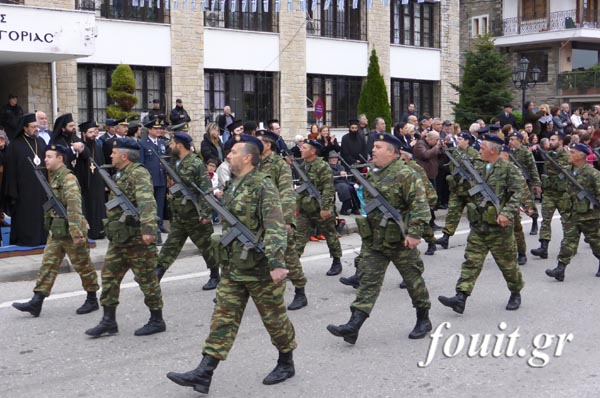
<point x="122" y="93"/>
<point x="373" y="100"/>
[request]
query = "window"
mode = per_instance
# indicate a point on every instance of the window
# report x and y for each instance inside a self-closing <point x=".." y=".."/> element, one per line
<point x="479" y="25"/>
<point x="150" y="11"/>
<point x="540" y="59"/>
<point x="414" y="23"/>
<point x="94" y="80"/>
<point x="232" y="16"/>
<point x="336" y="22"/>
<point x="249" y="94"/>
<point x="339" y="94"/>
<point x="420" y="93"/>
<point x="587" y="12"/>
<point x="533" y="9"/>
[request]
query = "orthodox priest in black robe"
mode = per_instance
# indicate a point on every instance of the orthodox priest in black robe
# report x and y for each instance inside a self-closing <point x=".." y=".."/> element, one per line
<point x="65" y="134"/>
<point x="24" y="196"/>
<point x="92" y="185"/>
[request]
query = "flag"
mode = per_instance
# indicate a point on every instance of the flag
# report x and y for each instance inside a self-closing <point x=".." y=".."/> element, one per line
<point x="142" y="3"/>
<point x="327" y="4"/>
<point x="265" y="6"/>
<point x="303" y="5"/>
<point x="167" y="4"/>
<point x="244" y="5"/>
<point x="203" y="5"/>
<point x="369" y="4"/>
<point x="404" y="2"/>
<point x="290" y="5"/>
<point x="184" y="5"/>
<point x="222" y="5"/>
<point x="135" y="3"/>
<point x="277" y="5"/>
<point x="354" y="4"/>
<point x="175" y="4"/>
<point x="253" y="5"/>
<point x="233" y="5"/>
<point x="315" y="5"/>
<point x="341" y="4"/>
<point x="150" y="3"/>
<point x="193" y="5"/>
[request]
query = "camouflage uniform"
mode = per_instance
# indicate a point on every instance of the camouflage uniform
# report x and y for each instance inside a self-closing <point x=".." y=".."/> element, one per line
<point x="486" y="235"/>
<point x="254" y="200"/>
<point x="62" y="232"/>
<point x="281" y="175"/>
<point x="518" y="227"/>
<point x="126" y="248"/>
<point x="583" y="218"/>
<point x="402" y="187"/>
<point x="185" y="221"/>
<point x="525" y="158"/>
<point x="459" y="192"/>
<point x="431" y="195"/>
<point x="320" y="174"/>
<point x="555" y="196"/>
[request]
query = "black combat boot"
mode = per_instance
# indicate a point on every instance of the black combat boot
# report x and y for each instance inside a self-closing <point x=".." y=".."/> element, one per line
<point x="213" y="281"/>
<point x="457" y="302"/>
<point x="33" y="306"/>
<point x="283" y="370"/>
<point x="521" y="259"/>
<point x="160" y="272"/>
<point x="598" y="272"/>
<point x="198" y="378"/>
<point x="349" y="331"/>
<point x="557" y="273"/>
<point x="156" y="324"/>
<point x="430" y="249"/>
<point x="541" y="251"/>
<point x="90" y="304"/>
<point x="353" y="280"/>
<point x="443" y="241"/>
<point x="514" y="302"/>
<point x="534" y="226"/>
<point x="108" y="324"/>
<point x="423" y="325"/>
<point x="299" y="300"/>
<point x="336" y="267"/>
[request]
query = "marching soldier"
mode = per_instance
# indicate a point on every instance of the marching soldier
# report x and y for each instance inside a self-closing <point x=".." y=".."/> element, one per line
<point x="66" y="237"/>
<point x="281" y="175"/>
<point x="459" y="190"/>
<point x="187" y="220"/>
<point x="584" y="217"/>
<point x="491" y="228"/>
<point x="402" y="187"/>
<point x="311" y="214"/>
<point x="253" y="199"/>
<point x="132" y="243"/>
<point x="555" y="196"/>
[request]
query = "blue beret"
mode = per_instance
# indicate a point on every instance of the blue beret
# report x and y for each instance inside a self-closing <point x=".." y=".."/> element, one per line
<point x="390" y="139"/>
<point x="182" y="137"/>
<point x="466" y="136"/>
<point x="582" y="148"/>
<point x="110" y="122"/>
<point x="494" y="127"/>
<point x="248" y="139"/>
<point x="58" y="148"/>
<point x="127" y="143"/>
<point x="269" y="135"/>
<point x="156" y="123"/>
<point x="516" y="134"/>
<point x="506" y="149"/>
<point x="493" y="138"/>
<point x="314" y="143"/>
<point x="483" y="130"/>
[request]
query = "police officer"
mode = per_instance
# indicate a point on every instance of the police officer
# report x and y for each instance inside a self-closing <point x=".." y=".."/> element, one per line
<point x="583" y="217"/>
<point x="279" y="171"/>
<point x="131" y="243"/>
<point x="491" y="228"/>
<point x="66" y="237"/>
<point x="189" y="221"/>
<point x="402" y="188"/>
<point x="311" y="214"/>
<point x="253" y="199"/>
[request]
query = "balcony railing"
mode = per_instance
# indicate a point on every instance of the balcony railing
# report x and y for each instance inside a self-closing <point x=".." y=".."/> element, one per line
<point x="555" y="21"/>
<point x="124" y="9"/>
<point x="579" y="82"/>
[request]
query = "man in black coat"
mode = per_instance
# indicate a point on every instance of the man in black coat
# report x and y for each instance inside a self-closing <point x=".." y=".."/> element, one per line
<point x="354" y="147"/>
<point x="65" y="134"/>
<point x="179" y="114"/>
<point x="507" y="117"/>
<point x="92" y="185"/>
<point x="9" y="118"/>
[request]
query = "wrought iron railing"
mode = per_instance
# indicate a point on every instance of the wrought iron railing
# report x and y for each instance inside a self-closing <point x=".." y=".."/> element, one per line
<point x="555" y="21"/>
<point x="124" y="9"/>
<point x="579" y="82"/>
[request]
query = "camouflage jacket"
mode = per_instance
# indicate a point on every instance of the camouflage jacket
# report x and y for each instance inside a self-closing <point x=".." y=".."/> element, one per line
<point x="320" y="174"/>
<point x="402" y="188"/>
<point x="281" y="176"/>
<point x="456" y="184"/>
<point x="430" y="192"/>
<point x="254" y="200"/>
<point x="525" y="158"/>
<point x="551" y="180"/>
<point x="589" y="178"/>
<point x="191" y="169"/>
<point x="66" y="189"/>
<point x="135" y="182"/>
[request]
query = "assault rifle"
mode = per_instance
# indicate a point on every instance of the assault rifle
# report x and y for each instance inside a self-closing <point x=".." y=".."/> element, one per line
<point x="179" y="185"/>
<point x="237" y="231"/>
<point x="582" y="194"/>
<point x="458" y="169"/>
<point x="120" y="200"/>
<point x="53" y="203"/>
<point x="520" y="166"/>
<point x="481" y="186"/>
<point x="307" y="184"/>
<point x="378" y="201"/>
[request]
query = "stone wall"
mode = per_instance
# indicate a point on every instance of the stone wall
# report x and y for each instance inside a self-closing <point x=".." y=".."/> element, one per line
<point x="378" y="35"/>
<point x="450" y="46"/>
<point x="474" y="8"/>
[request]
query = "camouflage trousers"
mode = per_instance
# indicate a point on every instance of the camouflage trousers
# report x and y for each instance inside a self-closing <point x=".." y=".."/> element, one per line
<point x="305" y="224"/>
<point x="501" y="243"/>
<point x="292" y="262"/>
<point x="551" y="202"/>
<point x="529" y="202"/>
<point x="428" y="234"/>
<point x="572" y="233"/>
<point x="141" y="258"/>
<point x="232" y="297"/>
<point x="519" y="236"/>
<point x="372" y="267"/>
<point x="54" y="253"/>
<point x="180" y="230"/>
<point x="456" y="205"/>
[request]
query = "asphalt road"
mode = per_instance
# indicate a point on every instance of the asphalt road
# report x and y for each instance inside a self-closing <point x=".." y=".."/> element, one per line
<point x="50" y="356"/>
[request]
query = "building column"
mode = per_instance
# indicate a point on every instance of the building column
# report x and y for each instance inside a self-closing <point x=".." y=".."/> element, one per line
<point x="378" y="36"/>
<point x="450" y="46"/>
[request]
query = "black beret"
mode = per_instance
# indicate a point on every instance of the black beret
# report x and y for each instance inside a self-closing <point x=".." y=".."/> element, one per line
<point x="127" y="143"/>
<point x="249" y="139"/>
<point x="58" y="148"/>
<point x="495" y="127"/>
<point x="85" y="126"/>
<point x="506" y="149"/>
<point x="483" y="130"/>
<point x="182" y="137"/>
<point x="267" y="135"/>
<point x="516" y="134"/>
<point x="316" y="144"/>
<point x="390" y="139"/>
<point x="110" y="123"/>
<point x="466" y="136"/>
<point x="493" y="138"/>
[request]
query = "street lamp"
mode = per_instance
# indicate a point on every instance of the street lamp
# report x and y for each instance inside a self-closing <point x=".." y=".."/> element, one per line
<point x="523" y="80"/>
